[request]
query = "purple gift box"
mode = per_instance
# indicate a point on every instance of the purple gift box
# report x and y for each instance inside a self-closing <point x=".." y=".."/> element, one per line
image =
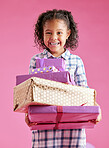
<point x="43" y="70"/>
<point x="63" y="77"/>
<point x="58" y="63"/>
<point x="66" y="117"/>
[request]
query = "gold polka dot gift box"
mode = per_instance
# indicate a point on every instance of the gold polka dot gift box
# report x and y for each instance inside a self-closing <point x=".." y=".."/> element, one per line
<point x="38" y="91"/>
<point x="43" y="70"/>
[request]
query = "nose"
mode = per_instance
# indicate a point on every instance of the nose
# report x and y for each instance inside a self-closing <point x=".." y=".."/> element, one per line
<point x="54" y="36"/>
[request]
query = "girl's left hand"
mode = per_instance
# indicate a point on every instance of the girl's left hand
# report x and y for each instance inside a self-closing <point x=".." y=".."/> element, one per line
<point x="98" y="118"/>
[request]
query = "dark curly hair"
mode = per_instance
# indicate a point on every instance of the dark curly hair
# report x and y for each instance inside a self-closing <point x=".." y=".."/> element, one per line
<point x="71" y="42"/>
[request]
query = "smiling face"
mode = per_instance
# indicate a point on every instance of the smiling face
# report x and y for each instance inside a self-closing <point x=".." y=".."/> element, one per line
<point x="55" y="33"/>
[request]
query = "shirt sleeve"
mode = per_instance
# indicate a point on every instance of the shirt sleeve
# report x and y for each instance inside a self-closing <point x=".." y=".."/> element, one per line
<point x="79" y="75"/>
<point x="32" y="63"/>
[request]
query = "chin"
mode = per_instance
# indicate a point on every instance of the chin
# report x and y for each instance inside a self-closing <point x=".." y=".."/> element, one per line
<point x="54" y="50"/>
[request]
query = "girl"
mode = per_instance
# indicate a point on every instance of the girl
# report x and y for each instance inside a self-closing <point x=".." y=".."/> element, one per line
<point x="55" y="32"/>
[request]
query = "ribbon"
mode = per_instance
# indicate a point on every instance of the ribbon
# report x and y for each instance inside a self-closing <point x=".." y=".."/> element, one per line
<point x="59" y="115"/>
<point x="40" y="63"/>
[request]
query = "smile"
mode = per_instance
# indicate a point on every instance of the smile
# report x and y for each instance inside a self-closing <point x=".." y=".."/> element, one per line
<point x="54" y="44"/>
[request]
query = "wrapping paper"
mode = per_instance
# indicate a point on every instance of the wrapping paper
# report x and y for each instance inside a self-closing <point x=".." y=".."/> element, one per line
<point x="43" y="69"/>
<point x="58" y="117"/>
<point x="58" y="63"/>
<point x="69" y="125"/>
<point x="37" y="90"/>
<point x="63" y="77"/>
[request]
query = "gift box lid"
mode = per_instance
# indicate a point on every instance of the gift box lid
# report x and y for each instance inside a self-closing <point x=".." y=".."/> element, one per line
<point x="65" y="109"/>
<point x="63" y="77"/>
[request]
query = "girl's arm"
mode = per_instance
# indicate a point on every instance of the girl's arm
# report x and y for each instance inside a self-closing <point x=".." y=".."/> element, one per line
<point x="79" y="75"/>
<point x="81" y="80"/>
<point x="31" y="66"/>
<point x="32" y="63"/>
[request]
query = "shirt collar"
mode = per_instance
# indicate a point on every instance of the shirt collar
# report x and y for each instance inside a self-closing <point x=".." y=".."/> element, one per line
<point x="65" y="55"/>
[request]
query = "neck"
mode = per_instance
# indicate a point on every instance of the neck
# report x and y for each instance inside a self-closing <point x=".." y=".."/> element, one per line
<point x="57" y="54"/>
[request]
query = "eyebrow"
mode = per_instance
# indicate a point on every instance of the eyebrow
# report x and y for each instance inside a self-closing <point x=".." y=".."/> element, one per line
<point x="57" y="30"/>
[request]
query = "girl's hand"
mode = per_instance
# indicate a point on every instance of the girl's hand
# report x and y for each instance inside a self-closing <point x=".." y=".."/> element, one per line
<point x="28" y="121"/>
<point x="98" y="118"/>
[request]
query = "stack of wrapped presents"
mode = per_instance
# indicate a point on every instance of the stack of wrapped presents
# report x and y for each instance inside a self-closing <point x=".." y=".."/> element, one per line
<point x="52" y="100"/>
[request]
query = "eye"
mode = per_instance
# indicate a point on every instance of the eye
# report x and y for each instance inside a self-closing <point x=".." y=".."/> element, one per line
<point x="59" y="32"/>
<point x="48" y="32"/>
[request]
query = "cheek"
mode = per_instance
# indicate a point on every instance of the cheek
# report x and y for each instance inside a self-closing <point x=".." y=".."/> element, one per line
<point x="63" y="39"/>
<point x="46" y="39"/>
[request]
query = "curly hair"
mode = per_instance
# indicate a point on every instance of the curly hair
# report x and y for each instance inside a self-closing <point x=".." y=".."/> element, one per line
<point x="71" y="42"/>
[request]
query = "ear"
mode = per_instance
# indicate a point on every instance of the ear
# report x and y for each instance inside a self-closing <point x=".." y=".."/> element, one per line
<point x="68" y="33"/>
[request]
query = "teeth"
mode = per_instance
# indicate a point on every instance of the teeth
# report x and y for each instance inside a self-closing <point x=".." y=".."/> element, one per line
<point x="54" y="43"/>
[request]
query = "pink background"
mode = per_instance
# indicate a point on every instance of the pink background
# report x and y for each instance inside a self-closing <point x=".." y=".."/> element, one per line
<point x="17" y="18"/>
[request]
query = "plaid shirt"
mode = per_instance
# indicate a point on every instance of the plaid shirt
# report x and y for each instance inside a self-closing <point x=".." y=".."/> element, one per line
<point x="70" y="138"/>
